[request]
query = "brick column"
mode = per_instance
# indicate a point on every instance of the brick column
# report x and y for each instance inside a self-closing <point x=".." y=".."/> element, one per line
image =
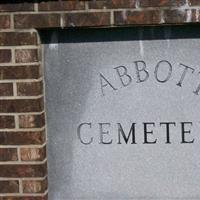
<point x="23" y="162"/>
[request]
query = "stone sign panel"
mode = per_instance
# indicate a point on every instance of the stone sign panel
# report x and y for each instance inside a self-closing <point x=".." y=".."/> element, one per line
<point x="123" y="113"/>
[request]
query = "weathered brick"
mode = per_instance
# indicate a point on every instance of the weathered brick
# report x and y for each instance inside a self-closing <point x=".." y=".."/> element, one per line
<point x="26" y="55"/>
<point x="136" y="17"/>
<point x="61" y="5"/>
<point x="161" y="3"/>
<point x="17" y="38"/>
<point x="36" y="20"/>
<point x="8" y="154"/>
<point x="22" y="138"/>
<point x="21" y="105"/>
<point x="174" y="16"/>
<point x="20" y="72"/>
<point x="34" y="186"/>
<point x="20" y="170"/>
<point x="7" y="122"/>
<point x="5" y="55"/>
<point x="31" y="121"/>
<point x="6" y="89"/>
<point x="16" y="6"/>
<point x="11" y="186"/>
<point x="87" y="19"/>
<point x="195" y="15"/>
<point x="33" y="154"/>
<point x="112" y="4"/>
<point x="4" y="21"/>
<point x="29" y="88"/>
<point x="194" y="2"/>
<point x="24" y="197"/>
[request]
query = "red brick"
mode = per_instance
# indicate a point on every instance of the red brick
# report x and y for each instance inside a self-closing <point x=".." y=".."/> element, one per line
<point x="11" y="186"/>
<point x="17" y="38"/>
<point x="7" y="122"/>
<point x="33" y="154"/>
<point x="195" y="15"/>
<point x="87" y="19"/>
<point x="4" y="21"/>
<point x="112" y="4"/>
<point x="136" y="17"/>
<point x="9" y="154"/>
<point x="17" y="6"/>
<point x="161" y="3"/>
<point x="24" y="197"/>
<point x="22" y="138"/>
<point x="31" y="121"/>
<point x="5" y="55"/>
<point x="21" y="105"/>
<point x="6" y="89"/>
<point x="37" y="20"/>
<point x="34" y="186"/>
<point x="19" y="170"/>
<point x="194" y="2"/>
<point x="20" y="72"/>
<point x="29" y="88"/>
<point x="175" y="16"/>
<point x="61" y="5"/>
<point x="26" y="55"/>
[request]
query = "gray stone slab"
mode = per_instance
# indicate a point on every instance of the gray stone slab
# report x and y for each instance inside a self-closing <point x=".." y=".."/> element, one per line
<point x="98" y="89"/>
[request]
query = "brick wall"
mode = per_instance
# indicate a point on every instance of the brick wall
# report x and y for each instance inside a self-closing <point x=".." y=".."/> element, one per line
<point x="23" y="163"/>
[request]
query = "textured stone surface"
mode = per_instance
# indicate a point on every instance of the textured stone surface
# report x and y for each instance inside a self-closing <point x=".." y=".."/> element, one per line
<point x="87" y="160"/>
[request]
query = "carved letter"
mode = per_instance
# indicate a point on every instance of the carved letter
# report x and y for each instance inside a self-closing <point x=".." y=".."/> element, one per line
<point x="105" y="84"/>
<point x="183" y="131"/>
<point x="121" y="132"/>
<point x="140" y="70"/>
<point x="124" y="74"/>
<point x="169" y="72"/>
<point x="146" y="132"/>
<point x="167" y="130"/>
<point x="197" y="90"/>
<point x="102" y="133"/>
<point x="184" y="74"/>
<point x="79" y="133"/>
